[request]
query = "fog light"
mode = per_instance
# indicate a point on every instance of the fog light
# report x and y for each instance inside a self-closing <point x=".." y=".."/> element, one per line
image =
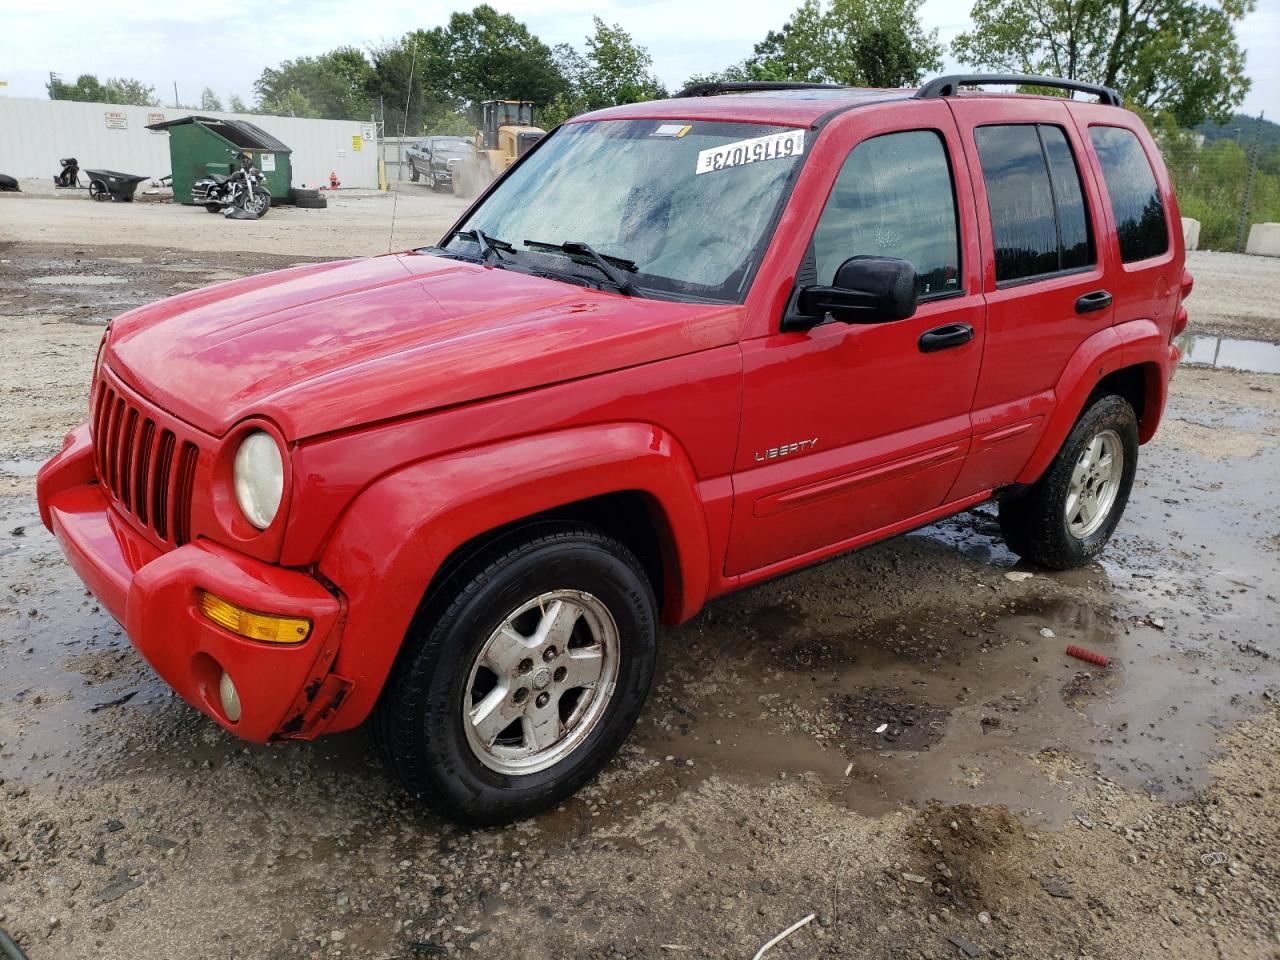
<point x="255" y="626"/>
<point x="230" y="698"/>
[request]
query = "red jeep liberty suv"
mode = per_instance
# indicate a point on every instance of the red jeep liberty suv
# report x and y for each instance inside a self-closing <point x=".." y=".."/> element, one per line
<point x="677" y="349"/>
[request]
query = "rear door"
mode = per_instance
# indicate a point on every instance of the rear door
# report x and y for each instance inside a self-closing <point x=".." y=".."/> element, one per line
<point x="1048" y="284"/>
<point x="846" y="429"/>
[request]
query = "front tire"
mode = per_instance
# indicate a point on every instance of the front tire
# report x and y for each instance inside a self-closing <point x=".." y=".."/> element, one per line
<point x="521" y="676"/>
<point x="1067" y="516"/>
<point x="413" y="172"/>
<point x="256" y="207"/>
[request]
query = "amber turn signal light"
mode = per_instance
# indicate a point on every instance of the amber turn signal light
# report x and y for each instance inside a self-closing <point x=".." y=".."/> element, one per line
<point x="255" y="626"/>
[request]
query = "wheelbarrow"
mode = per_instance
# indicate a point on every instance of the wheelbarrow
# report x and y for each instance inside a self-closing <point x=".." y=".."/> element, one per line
<point x="108" y="184"/>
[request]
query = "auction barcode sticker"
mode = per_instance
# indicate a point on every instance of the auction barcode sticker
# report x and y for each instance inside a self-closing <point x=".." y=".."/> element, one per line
<point x="775" y="146"/>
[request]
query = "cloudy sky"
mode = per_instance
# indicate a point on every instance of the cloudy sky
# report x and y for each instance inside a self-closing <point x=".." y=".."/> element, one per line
<point x="225" y="44"/>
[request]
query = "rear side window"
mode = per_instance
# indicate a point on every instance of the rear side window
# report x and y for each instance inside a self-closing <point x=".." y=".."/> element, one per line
<point x="1039" y="221"/>
<point x="1135" y="199"/>
<point x="894" y="198"/>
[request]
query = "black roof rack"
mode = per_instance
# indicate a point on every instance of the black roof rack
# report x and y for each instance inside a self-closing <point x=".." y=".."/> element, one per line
<point x="949" y="86"/>
<point x="751" y="86"/>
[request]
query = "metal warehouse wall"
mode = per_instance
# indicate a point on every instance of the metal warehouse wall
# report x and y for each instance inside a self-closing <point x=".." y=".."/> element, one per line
<point x="35" y="134"/>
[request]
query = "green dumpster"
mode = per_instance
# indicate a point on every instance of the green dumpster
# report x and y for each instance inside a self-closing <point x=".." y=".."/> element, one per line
<point x="200" y="146"/>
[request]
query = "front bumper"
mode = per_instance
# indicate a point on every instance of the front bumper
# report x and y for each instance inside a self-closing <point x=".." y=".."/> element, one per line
<point x="286" y="691"/>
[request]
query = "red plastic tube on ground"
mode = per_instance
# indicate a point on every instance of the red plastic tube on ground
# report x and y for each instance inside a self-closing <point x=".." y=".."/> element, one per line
<point x="1080" y="653"/>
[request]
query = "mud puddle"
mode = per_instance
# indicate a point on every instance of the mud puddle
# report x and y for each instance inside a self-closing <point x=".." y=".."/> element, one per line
<point x="1252" y="356"/>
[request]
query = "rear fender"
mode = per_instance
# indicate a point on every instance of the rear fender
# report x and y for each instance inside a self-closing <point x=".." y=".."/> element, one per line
<point x="1138" y="343"/>
<point x="396" y="535"/>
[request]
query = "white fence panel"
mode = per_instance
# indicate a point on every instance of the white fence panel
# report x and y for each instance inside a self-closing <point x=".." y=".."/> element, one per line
<point x="35" y="134"/>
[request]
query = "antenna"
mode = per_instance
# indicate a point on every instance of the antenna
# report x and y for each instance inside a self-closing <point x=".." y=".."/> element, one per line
<point x="404" y="123"/>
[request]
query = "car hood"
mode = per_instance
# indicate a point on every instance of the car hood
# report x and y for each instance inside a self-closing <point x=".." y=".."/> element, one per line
<point x="335" y="345"/>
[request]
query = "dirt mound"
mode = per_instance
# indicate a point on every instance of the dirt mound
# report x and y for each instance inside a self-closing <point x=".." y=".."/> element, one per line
<point x="973" y="855"/>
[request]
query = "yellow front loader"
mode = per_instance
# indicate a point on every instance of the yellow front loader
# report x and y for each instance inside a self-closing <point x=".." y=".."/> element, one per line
<point x="505" y="134"/>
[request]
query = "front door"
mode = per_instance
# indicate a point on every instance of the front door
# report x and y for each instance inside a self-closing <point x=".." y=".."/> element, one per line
<point x="852" y="429"/>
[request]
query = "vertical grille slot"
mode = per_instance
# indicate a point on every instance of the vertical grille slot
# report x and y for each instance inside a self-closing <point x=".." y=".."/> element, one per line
<point x="183" y="488"/>
<point x="142" y="487"/>
<point x="128" y="456"/>
<point x="112" y="440"/>
<point x="160" y="484"/>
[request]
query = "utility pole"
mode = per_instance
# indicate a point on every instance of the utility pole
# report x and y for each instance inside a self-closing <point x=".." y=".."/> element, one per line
<point x="1248" y="184"/>
<point x="175" y="94"/>
<point x="53" y="85"/>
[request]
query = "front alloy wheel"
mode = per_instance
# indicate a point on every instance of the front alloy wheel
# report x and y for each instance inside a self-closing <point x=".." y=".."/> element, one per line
<point x="522" y="674"/>
<point x="541" y="682"/>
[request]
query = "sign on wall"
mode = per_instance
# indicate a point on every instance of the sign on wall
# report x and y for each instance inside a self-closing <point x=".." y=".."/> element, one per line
<point x="267" y="162"/>
<point x="357" y="142"/>
<point x="117" y="119"/>
<point x="156" y="116"/>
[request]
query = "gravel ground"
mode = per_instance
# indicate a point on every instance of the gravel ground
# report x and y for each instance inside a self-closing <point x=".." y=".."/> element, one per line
<point x="1017" y="804"/>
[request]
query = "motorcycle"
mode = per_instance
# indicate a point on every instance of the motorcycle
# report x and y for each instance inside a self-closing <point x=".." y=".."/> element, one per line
<point x="242" y="196"/>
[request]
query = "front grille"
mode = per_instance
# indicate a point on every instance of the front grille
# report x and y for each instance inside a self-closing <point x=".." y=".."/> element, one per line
<point x="142" y="466"/>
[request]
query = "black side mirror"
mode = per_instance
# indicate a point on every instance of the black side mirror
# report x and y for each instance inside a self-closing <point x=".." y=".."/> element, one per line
<point x="866" y="290"/>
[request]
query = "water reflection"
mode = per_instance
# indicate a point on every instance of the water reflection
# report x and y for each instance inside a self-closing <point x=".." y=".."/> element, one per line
<point x="1254" y="356"/>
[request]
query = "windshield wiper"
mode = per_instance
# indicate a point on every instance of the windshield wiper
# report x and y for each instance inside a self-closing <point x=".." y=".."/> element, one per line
<point x="489" y="246"/>
<point x="605" y="263"/>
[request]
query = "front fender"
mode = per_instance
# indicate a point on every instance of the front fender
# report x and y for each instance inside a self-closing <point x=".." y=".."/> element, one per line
<point x="1135" y="343"/>
<point x="394" y="537"/>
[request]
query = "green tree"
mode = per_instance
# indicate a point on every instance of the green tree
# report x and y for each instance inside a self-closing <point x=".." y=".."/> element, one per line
<point x="88" y="88"/>
<point x="486" y="55"/>
<point x="209" y="100"/>
<point x="236" y="105"/>
<point x="1180" y="56"/>
<point x="614" y="69"/>
<point x="864" y="43"/>
<point x="332" y="85"/>
<point x="427" y="77"/>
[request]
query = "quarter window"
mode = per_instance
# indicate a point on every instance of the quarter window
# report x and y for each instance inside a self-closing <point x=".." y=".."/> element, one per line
<point x="894" y="198"/>
<point x="1039" y="221"/>
<point x="1135" y="198"/>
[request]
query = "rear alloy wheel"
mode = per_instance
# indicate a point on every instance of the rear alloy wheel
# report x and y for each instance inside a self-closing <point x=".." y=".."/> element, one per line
<point x="521" y="676"/>
<point x="1066" y="517"/>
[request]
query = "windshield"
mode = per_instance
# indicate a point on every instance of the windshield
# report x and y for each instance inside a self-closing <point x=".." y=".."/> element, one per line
<point x="455" y="145"/>
<point x="690" y="204"/>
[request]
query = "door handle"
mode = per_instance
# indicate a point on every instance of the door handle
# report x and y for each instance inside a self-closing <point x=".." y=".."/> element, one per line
<point x="1091" y="302"/>
<point x="943" y="338"/>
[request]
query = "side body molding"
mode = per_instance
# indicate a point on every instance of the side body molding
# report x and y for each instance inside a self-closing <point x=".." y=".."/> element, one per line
<point x="398" y="532"/>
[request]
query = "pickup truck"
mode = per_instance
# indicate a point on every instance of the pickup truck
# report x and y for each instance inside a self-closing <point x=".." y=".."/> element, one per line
<point x="433" y="159"/>
<point x="679" y="348"/>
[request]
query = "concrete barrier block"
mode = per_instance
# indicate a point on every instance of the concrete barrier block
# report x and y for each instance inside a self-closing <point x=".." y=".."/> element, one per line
<point x="1190" y="233"/>
<point x="1264" y="240"/>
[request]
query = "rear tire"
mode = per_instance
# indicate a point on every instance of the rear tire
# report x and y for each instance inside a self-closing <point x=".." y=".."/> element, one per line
<point x="1067" y="516"/>
<point x="213" y="207"/>
<point x="573" y="581"/>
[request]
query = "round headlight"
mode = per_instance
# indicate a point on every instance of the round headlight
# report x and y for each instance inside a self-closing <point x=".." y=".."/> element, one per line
<point x="259" y="476"/>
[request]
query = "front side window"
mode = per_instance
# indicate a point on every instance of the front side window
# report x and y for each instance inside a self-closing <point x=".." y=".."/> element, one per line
<point x="1039" y="221"/>
<point x="1135" y="198"/>
<point x="894" y="198"/>
<point x="690" y="204"/>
